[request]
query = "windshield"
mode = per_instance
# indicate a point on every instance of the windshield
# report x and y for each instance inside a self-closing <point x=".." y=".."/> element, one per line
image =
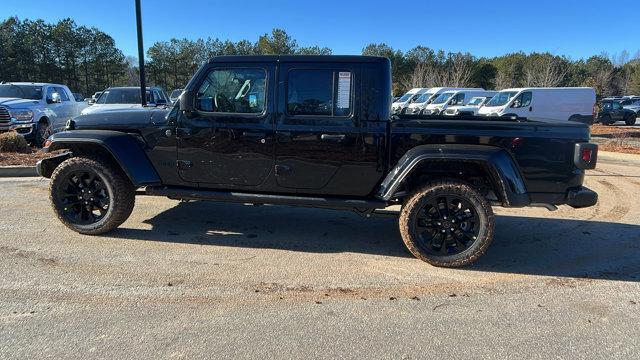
<point x="442" y="98"/>
<point x="405" y="97"/>
<point x="121" y="96"/>
<point x="501" y="98"/>
<point x="424" y="97"/>
<point x="32" y="92"/>
<point x="476" y="101"/>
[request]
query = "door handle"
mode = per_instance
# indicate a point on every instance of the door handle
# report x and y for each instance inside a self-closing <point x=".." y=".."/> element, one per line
<point x="333" y="137"/>
<point x="257" y="134"/>
<point x="183" y="133"/>
<point x="284" y="136"/>
<point x="530" y="108"/>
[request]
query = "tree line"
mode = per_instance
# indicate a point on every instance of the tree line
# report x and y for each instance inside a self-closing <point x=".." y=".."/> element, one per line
<point x="87" y="60"/>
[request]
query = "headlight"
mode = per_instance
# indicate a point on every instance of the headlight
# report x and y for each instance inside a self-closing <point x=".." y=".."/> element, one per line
<point x="22" y="115"/>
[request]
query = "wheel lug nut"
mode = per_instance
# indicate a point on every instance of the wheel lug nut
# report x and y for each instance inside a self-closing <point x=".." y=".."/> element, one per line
<point x="444" y="217"/>
<point x="452" y="229"/>
<point x="443" y="230"/>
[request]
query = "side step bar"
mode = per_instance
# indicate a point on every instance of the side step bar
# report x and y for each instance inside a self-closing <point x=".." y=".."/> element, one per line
<point x="361" y="205"/>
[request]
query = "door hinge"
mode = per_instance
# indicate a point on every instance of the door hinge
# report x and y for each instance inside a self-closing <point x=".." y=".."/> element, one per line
<point x="184" y="164"/>
<point x="281" y="169"/>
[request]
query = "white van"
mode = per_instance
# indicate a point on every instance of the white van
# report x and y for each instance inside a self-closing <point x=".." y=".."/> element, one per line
<point x="544" y="104"/>
<point x="407" y="99"/>
<point x="425" y="99"/>
<point x="452" y="97"/>
<point x="471" y="107"/>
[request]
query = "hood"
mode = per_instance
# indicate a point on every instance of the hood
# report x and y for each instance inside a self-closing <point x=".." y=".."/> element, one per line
<point x="422" y="104"/>
<point x="119" y="119"/>
<point x="436" y="106"/>
<point x="464" y="107"/>
<point x="109" y="107"/>
<point x="487" y="110"/>
<point x="16" y="102"/>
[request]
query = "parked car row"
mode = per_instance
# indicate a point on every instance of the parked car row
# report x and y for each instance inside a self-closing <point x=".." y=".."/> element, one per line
<point x="36" y="110"/>
<point x="543" y="104"/>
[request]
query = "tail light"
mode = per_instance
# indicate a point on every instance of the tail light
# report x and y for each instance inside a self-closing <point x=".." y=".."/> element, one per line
<point x="585" y="155"/>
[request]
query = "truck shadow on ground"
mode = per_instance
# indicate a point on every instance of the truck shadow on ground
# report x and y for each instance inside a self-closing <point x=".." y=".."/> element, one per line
<point x="525" y="245"/>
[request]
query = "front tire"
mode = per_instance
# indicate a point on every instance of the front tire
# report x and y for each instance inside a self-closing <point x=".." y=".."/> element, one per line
<point x="42" y="133"/>
<point x="607" y="120"/>
<point x="447" y="224"/>
<point x="91" y="196"/>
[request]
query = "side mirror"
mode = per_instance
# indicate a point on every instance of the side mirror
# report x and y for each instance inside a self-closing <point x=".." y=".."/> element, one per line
<point x="54" y="99"/>
<point x="187" y="102"/>
<point x="161" y="102"/>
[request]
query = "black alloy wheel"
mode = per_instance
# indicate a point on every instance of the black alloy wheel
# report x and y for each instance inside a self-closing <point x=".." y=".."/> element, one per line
<point x="91" y="195"/>
<point x="83" y="198"/>
<point x="447" y="225"/>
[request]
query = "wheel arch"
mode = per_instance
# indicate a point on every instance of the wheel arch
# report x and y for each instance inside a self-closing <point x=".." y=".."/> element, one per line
<point x="123" y="149"/>
<point x="494" y="164"/>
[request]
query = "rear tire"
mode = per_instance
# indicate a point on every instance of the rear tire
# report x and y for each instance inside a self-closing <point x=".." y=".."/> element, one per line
<point x="630" y="120"/>
<point x="447" y="224"/>
<point x="91" y="196"/>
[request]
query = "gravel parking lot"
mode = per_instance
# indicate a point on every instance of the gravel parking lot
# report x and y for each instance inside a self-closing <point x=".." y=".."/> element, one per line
<point x="206" y="280"/>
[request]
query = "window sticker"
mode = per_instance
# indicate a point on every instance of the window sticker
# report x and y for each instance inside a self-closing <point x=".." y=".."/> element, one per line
<point x="344" y="89"/>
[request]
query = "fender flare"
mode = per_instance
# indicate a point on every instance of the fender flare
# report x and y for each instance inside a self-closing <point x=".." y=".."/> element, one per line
<point x="503" y="170"/>
<point x="126" y="149"/>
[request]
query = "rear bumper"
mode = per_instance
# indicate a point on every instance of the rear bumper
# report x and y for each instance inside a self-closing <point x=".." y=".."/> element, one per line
<point x="581" y="197"/>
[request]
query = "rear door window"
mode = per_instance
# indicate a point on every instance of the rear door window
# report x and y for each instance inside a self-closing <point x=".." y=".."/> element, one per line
<point x="323" y="92"/>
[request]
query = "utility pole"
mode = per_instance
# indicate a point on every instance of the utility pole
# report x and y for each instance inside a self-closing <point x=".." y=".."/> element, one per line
<point x="143" y="85"/>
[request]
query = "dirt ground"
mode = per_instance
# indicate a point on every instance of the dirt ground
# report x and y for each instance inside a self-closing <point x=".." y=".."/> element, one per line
<point x="212" y="280"/>
<point x="22" y="159"/>
<point x="617" y="138"/>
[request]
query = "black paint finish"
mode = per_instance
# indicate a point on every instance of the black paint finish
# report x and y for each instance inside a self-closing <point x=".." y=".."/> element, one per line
<point x="363" y="155"/>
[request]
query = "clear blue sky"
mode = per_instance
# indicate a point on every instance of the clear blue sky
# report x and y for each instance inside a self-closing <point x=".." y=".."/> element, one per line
<point x="576" y="28"/>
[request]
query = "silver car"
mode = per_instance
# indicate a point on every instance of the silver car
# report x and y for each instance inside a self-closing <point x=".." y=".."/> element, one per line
<point x="34" y="110"/>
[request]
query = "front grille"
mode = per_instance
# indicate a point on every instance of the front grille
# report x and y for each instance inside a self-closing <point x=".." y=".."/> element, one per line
<point x="4" y="115"/>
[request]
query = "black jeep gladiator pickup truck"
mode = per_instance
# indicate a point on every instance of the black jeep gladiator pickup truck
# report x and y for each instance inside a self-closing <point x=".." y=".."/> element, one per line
<point x="317" y="131"/>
